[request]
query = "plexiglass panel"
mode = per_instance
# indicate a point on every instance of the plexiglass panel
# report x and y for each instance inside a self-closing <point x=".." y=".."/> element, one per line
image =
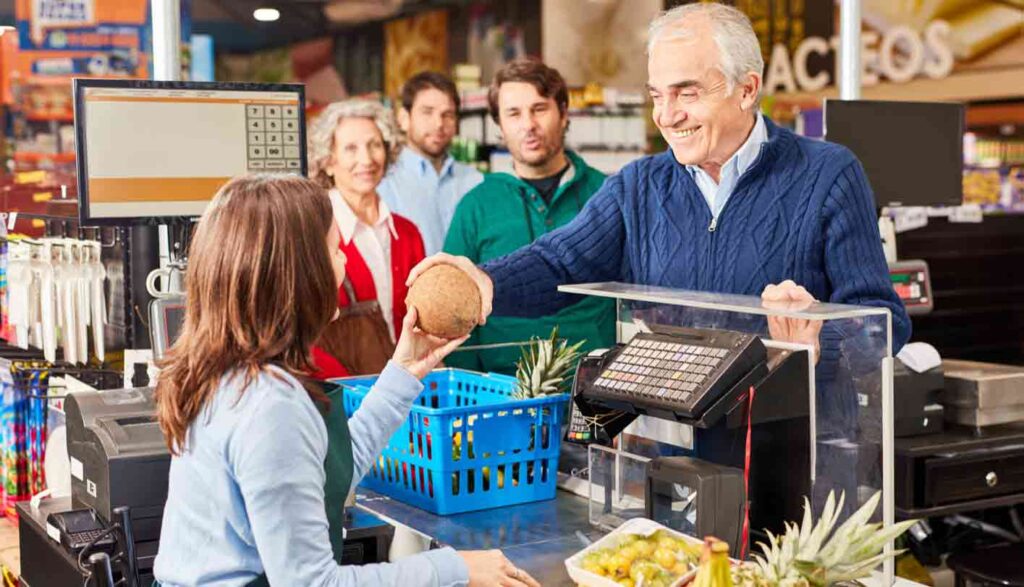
<point x="616" y="487"/>
<point x="850" y="444"/>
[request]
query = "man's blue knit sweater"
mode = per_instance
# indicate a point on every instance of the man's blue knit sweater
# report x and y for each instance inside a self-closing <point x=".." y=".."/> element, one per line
<point x="803" y="211"/>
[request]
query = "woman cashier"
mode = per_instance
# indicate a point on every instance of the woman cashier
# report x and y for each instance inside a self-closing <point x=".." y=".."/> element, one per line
<point x="263" y="456"/>
<point x="352" y="145"/>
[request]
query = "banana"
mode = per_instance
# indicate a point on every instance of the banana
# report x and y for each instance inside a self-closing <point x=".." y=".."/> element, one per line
<point x="714" y="568"/>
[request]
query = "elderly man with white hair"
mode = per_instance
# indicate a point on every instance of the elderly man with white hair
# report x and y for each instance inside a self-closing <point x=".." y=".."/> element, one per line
<point x="736" y="204"/>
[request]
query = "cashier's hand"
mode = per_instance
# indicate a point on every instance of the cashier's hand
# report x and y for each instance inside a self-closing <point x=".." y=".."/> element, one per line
<point x="419" y="352"/>
<point x="483" y="281"/>
<point x="490" y="567"/>
<point x="790" y="296"/>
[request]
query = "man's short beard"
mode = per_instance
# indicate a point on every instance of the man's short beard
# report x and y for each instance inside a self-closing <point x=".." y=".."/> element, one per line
<point x="552" y="153"/>
<point x="422" y="148"/>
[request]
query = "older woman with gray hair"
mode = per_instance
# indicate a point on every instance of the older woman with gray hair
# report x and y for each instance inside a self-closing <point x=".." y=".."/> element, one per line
<point x="352" y="145"/>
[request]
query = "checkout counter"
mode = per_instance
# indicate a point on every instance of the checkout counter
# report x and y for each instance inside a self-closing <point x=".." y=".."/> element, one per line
<point x="811" y="427"/>
<point x="680" y="458"/>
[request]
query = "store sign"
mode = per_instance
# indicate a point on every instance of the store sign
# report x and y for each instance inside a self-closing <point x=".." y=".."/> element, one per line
<point x="82" y="37"/>
<point x="62" y="12"/>
<point x="48" y="14"/>
<point x="899" y="55"/>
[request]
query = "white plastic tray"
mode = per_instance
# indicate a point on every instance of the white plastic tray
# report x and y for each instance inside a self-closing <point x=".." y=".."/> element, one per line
<point x="641" y="526"/>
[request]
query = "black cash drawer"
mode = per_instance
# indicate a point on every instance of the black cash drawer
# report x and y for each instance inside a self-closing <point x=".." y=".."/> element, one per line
<point x="973" y="476"/>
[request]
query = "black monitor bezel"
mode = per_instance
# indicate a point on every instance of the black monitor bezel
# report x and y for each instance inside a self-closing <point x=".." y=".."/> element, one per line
<point x="79" y="86"/>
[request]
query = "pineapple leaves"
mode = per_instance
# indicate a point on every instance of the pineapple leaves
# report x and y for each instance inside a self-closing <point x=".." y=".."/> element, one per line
<point x="812" y="555"/>
<point x="544" y="366"/>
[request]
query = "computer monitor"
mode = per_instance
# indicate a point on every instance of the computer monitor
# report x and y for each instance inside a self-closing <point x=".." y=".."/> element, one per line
<point x="912" y="151"/>
<point x="149" y="150"/>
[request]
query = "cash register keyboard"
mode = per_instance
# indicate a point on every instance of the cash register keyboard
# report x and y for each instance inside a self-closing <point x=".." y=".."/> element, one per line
<point x="684" y="372"/>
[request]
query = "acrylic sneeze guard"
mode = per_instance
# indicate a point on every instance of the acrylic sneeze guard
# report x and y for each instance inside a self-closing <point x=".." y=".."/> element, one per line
<point x="851" y="422"/>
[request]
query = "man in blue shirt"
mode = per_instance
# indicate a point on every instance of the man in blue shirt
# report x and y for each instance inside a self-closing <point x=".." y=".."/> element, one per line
<point x="736" y="205"/>
<point x="426" y="184"/>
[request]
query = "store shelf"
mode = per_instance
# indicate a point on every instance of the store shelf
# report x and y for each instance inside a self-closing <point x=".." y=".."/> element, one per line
<point x="995" y="115"/>
<point x="38" y="80"/>
<point x="993" y="166"/>
<point x="29" y="157"/>
<point x="50" y="116"/>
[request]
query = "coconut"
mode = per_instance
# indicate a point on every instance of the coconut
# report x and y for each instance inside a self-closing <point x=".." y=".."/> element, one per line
<point x="447" y="301"/>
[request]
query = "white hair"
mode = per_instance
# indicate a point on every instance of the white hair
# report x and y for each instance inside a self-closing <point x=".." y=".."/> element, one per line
<point x="321" y="133"/>
<point x="739" y="52"/>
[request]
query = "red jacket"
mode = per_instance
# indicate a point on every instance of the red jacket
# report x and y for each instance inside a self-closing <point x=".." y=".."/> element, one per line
<point x="406" y="251"/>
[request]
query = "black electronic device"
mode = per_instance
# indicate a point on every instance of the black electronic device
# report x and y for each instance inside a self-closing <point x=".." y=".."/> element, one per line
<point x="78" y="529"/>
<point x="931" y="420"/>
<point x="916" y="399"/>
<point x="166" y="317"/>
<point x="696" y="497"/>
<point x="912" y="282"/>
<point x="589" y="423"/>
<point x="912" y="152"/>
<point x="679" y="375"/>
<point x="777" y="419"/>
<point x="118" y="456"/>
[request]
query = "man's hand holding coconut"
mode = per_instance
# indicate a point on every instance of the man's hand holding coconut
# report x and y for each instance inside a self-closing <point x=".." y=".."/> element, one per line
<point x="451" y="295"/>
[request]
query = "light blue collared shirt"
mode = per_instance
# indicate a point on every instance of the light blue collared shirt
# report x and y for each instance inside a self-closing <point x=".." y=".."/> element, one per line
<point x="717" y="194"/>
<point x="415" y="190"/>
<point x="247" y="495"/>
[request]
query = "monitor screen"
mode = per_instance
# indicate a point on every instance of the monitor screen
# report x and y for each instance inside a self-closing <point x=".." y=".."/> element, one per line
<point x="166" y="318"/>
<point x="150" y="150"/>
<point x="912" y="151"/>
<point x="911" y="281"/>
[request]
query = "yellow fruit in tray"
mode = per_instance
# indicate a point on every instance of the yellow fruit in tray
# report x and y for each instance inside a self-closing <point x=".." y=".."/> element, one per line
<point x="618" y="566"/>
<point x="692" y="550"/>
<point x="629" y="552"/>
<point x="665" y="557"/>
<point x="666" y="541"/>
<point x="644" y="571"/>
<point x="645" y="548"/>
<point x="626" y="582"/>
<point x="594" y="568"/>
<point x="648" y="561"/>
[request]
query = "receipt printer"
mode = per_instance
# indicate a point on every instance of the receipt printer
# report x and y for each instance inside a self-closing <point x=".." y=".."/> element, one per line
<point x="696" y="497"/>
<point x="118" y="456"/>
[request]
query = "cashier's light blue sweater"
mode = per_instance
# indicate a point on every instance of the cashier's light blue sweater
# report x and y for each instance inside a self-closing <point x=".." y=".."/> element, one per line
<point x="803" y="211"/>
<point x="247" y="496"/>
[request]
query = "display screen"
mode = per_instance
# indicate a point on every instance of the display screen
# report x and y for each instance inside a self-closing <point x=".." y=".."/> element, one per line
<point x="79" y="521"/>
<point x="912" y="151"/>
<point x="910" y="287"/>
<point x="163" y="149"/>
<point x="174" y="319"/>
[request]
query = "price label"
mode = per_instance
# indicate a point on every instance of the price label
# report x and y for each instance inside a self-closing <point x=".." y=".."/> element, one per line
<point x="37" y="176"/>
<point x="966" y="213"/>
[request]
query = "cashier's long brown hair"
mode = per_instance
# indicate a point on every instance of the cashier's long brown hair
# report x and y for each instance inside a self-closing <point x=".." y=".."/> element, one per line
<point x="260" y="290"/>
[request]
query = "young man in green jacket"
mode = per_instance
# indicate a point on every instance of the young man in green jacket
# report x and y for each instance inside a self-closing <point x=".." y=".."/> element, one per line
<point x="530" y="103"/>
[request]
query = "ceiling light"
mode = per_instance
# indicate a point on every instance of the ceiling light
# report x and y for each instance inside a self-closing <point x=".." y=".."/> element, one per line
<point x="266" y="14"/>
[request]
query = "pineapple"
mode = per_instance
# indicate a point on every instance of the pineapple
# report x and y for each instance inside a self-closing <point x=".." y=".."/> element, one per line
<point x="807" y="556"/>
<point x="544" y="366"/>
